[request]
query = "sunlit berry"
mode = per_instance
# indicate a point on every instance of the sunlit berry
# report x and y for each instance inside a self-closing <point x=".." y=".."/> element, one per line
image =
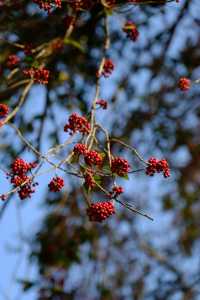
<point x="56" y="184"/>
<point x="184" y="84"/>
<point x="131" y="30"/>
<point x="4" y="110"/>
<point x="120" y="166"/>
<point x="100" y="211"/>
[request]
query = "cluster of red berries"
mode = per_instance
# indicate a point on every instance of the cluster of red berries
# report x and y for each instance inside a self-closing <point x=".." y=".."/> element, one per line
<point x="116" y="191"/>
<point x="20" y="166"/>
<point x="4" y="110"/>
<point x="107" y="68"/>
<point x="19" y="178"/>
<point x="56" y="184"/>
<point x="157" y="166"/>
<point x="98" y="212"/>
<point x="12" y="61"/>
<point x="48" y="4"/>
<point x="92" y="157"/>
<point x="89" y="179"/>
<point x="184" y="84"/>
<point x="102" y="103"/>
<point x="40" y="75"/>
<point x="77" y="123"/>
<point x="120" y="166"/>
<point x="131" y="31"/>
<point x="80" y="149"/>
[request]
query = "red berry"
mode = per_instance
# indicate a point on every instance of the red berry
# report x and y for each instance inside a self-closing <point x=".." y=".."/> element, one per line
<point x="184" y="84"/>
<point x="12" y="61"/>
<point x="77" y="123"/>
<point x="89" y="180"/>
<point x="40" y="75"/>
<point x="92" y="157"/>
<point x="157" y="166"/>
<point x="102" y="103"/>
<point x="20" y="167"/>
<point x="48" y="4"/>
<point x="19" y="178"/>
<point x="131" y="30"/>
<point x="162" y="166"/>
<point x="80" y="149"/>
<point x="151" y="168"/>
<point x="98" y="212"/>
<point x="4" y="110"/>
<point x="56" y="184"/>
<point x="120" y="166"/>
<point x="107" y="68"/>
<point x="116" y="191"/>
<point x="25" y="191"/>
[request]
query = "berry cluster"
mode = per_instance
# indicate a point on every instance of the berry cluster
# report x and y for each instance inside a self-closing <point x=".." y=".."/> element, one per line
<point x="107" y="68"/>
<point x="116" y="191"/>
<point x="92" y="157"/>
<point x="80" y="149"/>
<point x="77" y="123"/>
<point x="89" y="180"/>
<point x="12" y="61"/>
<point x="56" y="184"/>
<point x="4" y="110"/>
<point x="19" y="178"/>
<point x="102" y="103"/>
<point x="157" y="166"/>
<point x="48" y="4"/>
<point x="21" y="167"/>
<point x="40" y="75"/>
<point x="184" y="84"/>
<point x="131" y="31"/>
<point x="120" y="166"/>
<point x="98" y="212"/>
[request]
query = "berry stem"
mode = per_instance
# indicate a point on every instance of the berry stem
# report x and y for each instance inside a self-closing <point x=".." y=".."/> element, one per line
<point x="135" y="210"/>
<point x="131" y="148"/>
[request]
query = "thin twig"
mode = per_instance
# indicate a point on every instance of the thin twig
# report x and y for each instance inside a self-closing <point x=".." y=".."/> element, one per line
<point x="129" y="147"/>
<point x="21" y="101"/>
<point x="135" y="210"/>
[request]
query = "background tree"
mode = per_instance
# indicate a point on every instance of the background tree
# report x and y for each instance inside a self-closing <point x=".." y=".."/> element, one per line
<point x="152" y="44"/>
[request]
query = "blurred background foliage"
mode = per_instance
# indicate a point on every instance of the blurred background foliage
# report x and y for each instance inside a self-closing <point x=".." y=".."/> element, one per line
<point x="126" y="257"/>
